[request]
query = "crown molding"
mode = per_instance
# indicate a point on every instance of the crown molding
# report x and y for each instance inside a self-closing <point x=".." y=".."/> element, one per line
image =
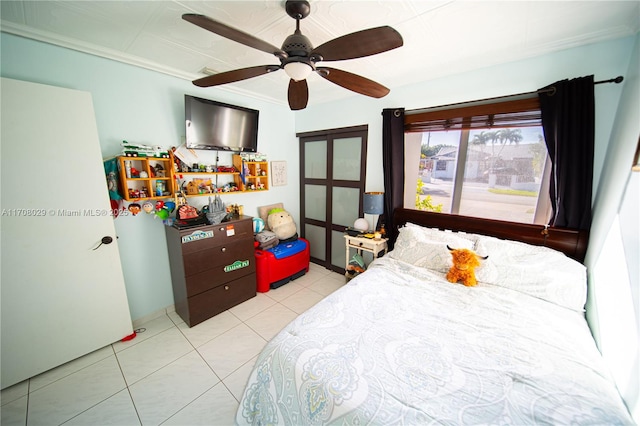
<point x="102" y="52"/>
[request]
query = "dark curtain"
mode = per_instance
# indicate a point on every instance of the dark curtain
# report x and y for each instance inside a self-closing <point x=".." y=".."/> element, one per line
<point x="393" y="166"/>
<point x="568" y="120"/>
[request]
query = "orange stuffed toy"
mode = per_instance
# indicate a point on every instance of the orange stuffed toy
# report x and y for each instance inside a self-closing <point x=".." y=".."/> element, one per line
<point x="465" y="262"/>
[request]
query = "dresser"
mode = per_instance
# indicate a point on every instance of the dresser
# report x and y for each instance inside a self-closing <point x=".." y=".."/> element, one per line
<point x="212" y="268"/>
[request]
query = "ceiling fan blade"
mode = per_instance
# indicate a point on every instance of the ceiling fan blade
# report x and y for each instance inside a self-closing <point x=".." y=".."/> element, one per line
<point x="298" y="94"/>
<point x="235" y="75"/>
<point x="353" y="82"/>
<point x="359" y="44"/>
<point x="233" y="34"/>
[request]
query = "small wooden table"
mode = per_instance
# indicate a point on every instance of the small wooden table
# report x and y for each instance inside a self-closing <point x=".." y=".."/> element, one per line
<point x="361" y="244"/>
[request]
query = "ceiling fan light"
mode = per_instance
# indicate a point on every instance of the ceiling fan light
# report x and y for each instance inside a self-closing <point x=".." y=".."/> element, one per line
<point x="297" y="70"/>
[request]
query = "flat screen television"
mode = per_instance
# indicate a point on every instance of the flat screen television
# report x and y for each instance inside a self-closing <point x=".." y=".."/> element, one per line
<point x="219" y="126"/>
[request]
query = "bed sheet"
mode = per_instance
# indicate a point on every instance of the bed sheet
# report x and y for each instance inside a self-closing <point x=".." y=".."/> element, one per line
<point x="401" y="345"/>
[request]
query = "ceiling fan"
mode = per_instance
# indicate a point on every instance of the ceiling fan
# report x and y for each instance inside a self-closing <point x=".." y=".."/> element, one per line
<point x="298" y="57"/>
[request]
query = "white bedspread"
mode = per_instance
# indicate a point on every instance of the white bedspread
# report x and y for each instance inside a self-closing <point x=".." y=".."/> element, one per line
<point x="401" y="345"/>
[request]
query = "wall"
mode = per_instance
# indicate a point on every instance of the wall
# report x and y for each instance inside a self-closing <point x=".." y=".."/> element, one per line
<point x="603" y="60"/>
<point x="615" y="322"/>
<point x="146" y="107"/>
<point x="618" y="187"/>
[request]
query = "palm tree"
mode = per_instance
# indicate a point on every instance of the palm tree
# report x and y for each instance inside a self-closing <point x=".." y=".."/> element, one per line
<point x="539" y="151"/>
<point x="481" y="138"/>
<point x="510" y="136"/>
<point x="501" y="136"/>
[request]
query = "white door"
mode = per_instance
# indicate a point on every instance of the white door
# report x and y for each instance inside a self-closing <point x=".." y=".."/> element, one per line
<point x="61" y="296"/>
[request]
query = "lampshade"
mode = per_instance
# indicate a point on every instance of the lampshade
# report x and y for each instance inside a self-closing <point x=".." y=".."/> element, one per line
<point x="373" y="202"/>
<point x="297" y="70"/>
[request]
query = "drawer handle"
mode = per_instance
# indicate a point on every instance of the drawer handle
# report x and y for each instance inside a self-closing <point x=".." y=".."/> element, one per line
<point x="221" y="229"/>
<point x="226" y="287"/>
<point x="224" y="249"/>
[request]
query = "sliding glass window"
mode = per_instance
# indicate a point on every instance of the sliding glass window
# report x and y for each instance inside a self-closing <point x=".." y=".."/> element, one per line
<point x="485" y="160"/>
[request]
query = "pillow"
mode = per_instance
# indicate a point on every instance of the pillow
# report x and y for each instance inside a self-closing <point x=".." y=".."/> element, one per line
<point x="427" y="248"/>
<point x="538" y="271"/>
<point x="263" y="213"/>
<point x="436" y="234"/>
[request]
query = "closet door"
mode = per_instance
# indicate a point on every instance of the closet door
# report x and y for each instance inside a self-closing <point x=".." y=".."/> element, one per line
<point x="333" y="170"/>
<point x="63" y="292"/>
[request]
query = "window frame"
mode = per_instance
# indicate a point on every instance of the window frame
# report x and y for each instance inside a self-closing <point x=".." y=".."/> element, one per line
<point x="510" y="112"/>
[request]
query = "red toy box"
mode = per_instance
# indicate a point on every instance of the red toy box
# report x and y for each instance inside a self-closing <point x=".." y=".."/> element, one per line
<point x="277" y="266"/>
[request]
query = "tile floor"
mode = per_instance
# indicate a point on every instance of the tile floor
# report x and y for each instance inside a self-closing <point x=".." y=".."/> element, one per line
<point x="169" y="374"/>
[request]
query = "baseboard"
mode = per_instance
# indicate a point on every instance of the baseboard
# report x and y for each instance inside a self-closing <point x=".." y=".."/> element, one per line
<point x="137" y="323"/>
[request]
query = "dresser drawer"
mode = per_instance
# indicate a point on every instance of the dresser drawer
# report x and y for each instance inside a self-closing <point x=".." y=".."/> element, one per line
<point x="218" y="275"/>
<point x="215" y="235"/>
<point x="212" y="302"/>
<point x="217" y="257"/>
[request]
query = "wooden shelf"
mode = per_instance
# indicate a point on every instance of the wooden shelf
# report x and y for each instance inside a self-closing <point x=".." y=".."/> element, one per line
<point x="146" y="188"/>
<point x="213" y="194"/>
<point x="206" y="173"/>
<point x="259" y="182"/>
<point x="255" y="179"/>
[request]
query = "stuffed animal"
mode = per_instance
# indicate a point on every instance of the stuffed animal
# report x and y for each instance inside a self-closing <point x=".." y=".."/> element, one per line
<point x="281" y="223"/>
<point x="465" y="262"/>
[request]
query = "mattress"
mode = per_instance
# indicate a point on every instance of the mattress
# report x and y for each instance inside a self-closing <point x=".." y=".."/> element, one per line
<point x="399" y="344"/>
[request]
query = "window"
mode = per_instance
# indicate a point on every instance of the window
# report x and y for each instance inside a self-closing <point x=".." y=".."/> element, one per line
<point x="480" y="159"/>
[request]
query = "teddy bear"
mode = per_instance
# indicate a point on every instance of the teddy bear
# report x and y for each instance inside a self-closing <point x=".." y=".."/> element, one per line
<point x="465" y="262"/>
<point x="281" y="223"/>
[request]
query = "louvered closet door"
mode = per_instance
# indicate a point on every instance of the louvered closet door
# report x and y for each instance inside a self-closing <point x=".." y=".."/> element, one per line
<point x="332" y="174"/>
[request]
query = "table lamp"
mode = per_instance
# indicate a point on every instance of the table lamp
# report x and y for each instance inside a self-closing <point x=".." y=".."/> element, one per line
<point x="373" y="203"/>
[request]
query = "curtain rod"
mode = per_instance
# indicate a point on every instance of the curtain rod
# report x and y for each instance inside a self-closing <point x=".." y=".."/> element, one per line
<point x="616" y="80"/>
<point x="550" y="90"/>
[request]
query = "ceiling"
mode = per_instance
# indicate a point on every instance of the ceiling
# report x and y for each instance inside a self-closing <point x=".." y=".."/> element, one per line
<point x="440" y="37"/>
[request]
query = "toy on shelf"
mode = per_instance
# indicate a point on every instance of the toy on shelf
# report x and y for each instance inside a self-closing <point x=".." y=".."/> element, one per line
<point x="192" y="188"/>
<point x="157" y="171"/>
<point x="253" y="156"/>
<point x="216" y="211"/>
<point x="226" y="169"/>
<point x="139" y="150"/>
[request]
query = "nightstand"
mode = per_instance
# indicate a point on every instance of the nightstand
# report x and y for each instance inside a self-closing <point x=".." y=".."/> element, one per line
<point x="364" y="244"/>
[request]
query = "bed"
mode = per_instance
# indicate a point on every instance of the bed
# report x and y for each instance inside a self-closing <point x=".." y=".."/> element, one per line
<point x="399" y="344"/>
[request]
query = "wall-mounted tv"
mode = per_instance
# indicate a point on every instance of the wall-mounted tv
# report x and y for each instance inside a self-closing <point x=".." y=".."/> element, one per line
<point x="218" y="126"/>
